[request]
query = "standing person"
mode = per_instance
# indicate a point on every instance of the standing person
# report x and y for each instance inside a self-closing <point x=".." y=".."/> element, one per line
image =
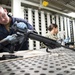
<point x="6" y="21"/>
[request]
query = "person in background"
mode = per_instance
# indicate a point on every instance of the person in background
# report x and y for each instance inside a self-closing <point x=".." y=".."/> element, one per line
<point x="52" y="33"/>
<point x="53" y="30"/>
<point x="6" y="21"/>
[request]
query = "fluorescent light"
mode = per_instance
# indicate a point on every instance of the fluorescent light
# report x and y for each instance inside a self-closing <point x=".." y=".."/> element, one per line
<point x="72" y="14"/>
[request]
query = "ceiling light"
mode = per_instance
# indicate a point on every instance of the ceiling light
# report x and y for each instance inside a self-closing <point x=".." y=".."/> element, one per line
<point x="72" y="14"/>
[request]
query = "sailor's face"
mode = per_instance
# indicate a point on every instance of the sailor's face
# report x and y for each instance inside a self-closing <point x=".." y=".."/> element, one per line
<point x="4" y="19"/>
<point x="56" y="30"/>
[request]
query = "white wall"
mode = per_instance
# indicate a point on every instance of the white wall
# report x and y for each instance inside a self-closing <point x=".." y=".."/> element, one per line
<point x="17" y="10"/>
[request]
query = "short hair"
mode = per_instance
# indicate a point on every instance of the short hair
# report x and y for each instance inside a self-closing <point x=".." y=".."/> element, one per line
<point x="50" y="28"/>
